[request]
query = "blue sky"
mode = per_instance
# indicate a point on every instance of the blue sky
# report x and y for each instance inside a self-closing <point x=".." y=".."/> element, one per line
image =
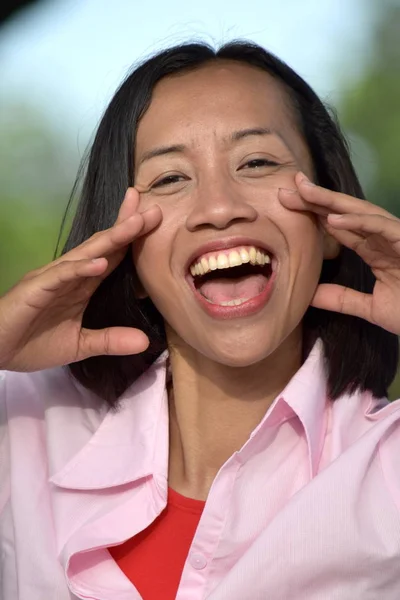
<point x="68" y="56"/>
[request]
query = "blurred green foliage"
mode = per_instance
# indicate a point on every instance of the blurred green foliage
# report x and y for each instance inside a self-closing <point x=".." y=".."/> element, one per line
<point x="37" y="165"/>
<point x="27" y="239"/>
<point x="37" y="169"/>
<point x="369" y="112"/>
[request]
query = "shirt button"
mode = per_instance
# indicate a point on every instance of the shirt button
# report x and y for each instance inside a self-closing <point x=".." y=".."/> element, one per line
<point x="198" y="561"/>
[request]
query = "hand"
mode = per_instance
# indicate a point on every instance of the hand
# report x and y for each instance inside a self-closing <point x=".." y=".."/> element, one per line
<point x="373" y="233"/>
<point x="41" y="316"/>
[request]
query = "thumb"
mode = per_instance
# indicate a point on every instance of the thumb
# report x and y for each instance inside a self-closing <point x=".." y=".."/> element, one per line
<point x="116" y="341"/>
<point x="337" y="298"/>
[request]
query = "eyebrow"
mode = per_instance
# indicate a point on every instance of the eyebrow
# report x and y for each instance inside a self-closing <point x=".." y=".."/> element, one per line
<point x="161" y="150"/>
<point x="179" y="148"/>
<point x="243" y="133"/>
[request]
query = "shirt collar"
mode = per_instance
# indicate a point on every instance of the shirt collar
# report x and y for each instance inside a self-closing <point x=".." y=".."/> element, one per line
<point x="120" y="451"/>
<point x="306" y="394"/>
<point x="304" y="397"/>
<point x="130" y="443"/>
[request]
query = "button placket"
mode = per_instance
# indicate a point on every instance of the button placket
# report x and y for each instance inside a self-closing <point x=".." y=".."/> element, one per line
<point x="198" y="561"/>
<point x="200" y="556"/>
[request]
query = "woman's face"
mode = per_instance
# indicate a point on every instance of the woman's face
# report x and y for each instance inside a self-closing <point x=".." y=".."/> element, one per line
<point x="212" y="151"/>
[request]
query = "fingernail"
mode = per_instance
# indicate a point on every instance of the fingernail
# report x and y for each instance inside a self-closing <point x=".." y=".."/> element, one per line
<point x="333" y="217"/>
<point x="287" y="191"/>
<point x="304" y="179"/>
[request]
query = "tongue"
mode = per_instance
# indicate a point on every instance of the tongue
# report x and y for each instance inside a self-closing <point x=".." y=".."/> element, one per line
<point x="224" y="289"/>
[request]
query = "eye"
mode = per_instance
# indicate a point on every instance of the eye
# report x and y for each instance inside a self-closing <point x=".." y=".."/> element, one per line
<point x="168" y="180"/>
<point x="258" y="163"/>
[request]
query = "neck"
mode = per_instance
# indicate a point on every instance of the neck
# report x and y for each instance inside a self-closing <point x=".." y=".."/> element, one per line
<point x="214" y="408"/>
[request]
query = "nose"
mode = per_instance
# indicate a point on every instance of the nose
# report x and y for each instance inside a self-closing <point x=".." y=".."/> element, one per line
<point x="219" y="205"/>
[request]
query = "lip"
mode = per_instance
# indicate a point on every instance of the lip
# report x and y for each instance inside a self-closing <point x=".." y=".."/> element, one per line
<point x="251" y="307"/>
<point x="226" y="244"/>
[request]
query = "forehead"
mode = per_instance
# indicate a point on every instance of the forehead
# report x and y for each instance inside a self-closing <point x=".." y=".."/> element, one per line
<point x="215" y="97"/>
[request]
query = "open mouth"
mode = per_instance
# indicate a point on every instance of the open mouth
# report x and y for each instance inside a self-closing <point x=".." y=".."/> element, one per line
<point x="232" y="277"/>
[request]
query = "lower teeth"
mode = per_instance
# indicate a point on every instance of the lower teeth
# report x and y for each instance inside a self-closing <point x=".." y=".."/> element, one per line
<point x="230" y="302"/>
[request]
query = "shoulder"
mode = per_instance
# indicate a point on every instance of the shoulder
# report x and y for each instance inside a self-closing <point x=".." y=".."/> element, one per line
<point x="388" y="417"/>
<point x="49" y="386"/>
<point x="44" y="401"/>
<point x="386" y="420"/>
<point x="49" y="413"/>
<point x="33" y="393"/>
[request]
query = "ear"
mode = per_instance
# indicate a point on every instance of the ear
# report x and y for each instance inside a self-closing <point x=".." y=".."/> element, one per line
<point x="331" y="246"/>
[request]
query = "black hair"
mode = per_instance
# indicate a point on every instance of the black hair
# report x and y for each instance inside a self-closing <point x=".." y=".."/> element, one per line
<point x="358" y="355"/>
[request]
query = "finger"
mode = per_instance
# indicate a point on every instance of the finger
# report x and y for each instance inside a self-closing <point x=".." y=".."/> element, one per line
<point x="335" y="202"/>
<point x="367" y="225"/>
<point x="340" y="299"/>
<point x="129" y="205"/>
<point x="118" y="237"/>
<point x="101" y="244"/>
<point x="67" y="270"/>
<point x="40" y="291"/>
<point x="116" y="341"/>
<point x="292" y="200"/>
<point x="109" y="241"/>
<point x="152" y="217"/>
<point x="351" y="239"/>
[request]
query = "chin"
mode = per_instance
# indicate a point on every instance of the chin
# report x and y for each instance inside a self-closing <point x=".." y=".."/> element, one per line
<point x="239" y="352"/>
<point x="239" y="362"/>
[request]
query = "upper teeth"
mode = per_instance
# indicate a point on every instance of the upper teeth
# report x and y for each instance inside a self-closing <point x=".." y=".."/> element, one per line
<point x="229" y="258"/>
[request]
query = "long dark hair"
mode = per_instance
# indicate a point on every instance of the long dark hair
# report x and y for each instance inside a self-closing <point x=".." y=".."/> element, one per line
<point x="358" y="355"/>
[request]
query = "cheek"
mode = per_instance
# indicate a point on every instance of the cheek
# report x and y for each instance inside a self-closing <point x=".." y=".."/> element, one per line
<point x="303" y="229"/>
<point x="306" y="252"/>
<point x="303" y="252"/>
<point x="151" y="254"/>
<point x="297" y="227"/>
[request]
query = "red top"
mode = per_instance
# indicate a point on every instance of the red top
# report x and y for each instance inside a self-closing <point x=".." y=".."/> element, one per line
<point x="154" y="558"/>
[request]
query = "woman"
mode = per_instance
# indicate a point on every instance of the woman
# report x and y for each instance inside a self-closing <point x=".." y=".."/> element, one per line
<point x="203" y="411"/>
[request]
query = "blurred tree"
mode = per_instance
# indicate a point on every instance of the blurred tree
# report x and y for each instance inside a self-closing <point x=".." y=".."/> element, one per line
<point x="36" y="162"/>
<point x="370" y="113"/>
<point x="27" y="240"/>
<point x="37" y="170"/>
<point x="370" y="110"/>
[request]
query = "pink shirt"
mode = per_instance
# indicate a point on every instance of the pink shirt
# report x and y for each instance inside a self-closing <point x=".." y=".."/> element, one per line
<point x="307" y="509"/>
